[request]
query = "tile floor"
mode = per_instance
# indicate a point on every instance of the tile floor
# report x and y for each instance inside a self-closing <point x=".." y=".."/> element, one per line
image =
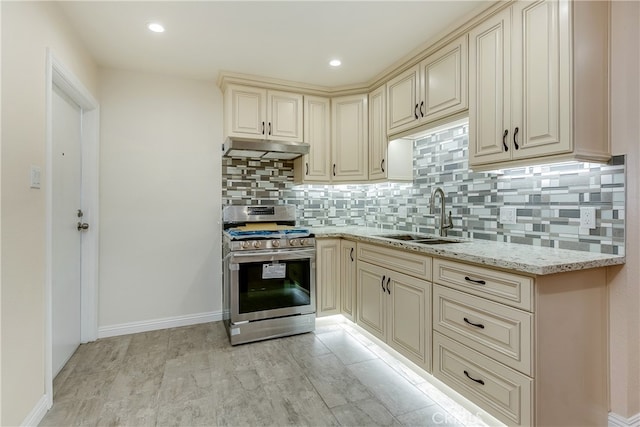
<point x="191" y="376"/>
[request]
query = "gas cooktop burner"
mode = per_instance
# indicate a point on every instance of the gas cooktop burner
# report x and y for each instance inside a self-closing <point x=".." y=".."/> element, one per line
<point x="238" y="234"/>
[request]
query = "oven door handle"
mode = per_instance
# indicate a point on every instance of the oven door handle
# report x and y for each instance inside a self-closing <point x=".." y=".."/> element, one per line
<point x="260" y="256"/>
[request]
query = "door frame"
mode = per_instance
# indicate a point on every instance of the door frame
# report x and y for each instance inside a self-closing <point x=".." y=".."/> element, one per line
<point x="59" y="75"/>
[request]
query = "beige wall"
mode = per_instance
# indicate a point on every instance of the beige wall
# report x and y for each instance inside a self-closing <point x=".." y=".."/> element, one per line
<point x="28" y="28"/>
<point x="160" y="177"/>
<point x="625" y="281"/>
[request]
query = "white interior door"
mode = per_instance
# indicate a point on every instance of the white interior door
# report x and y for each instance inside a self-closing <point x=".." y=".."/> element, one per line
<point x="66" y="244"/>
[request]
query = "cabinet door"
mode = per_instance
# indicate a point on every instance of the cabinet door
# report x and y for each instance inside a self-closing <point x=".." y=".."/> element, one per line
<point x="540" y="121"/>
<point x="348" y="278"/>
<point x="378" y="164"/>
<point x="349" y="142"/>
<point x="444" y="79"/>
<point x="372" y="299"/>
<point x="409" y="299"/>
<point x="285" y="116"/>
<point x="327" y="276"/>
<point x="245" y="111"/>
<point x="316" y="166"/>
<point x="402" y="101"/>
<point x="489" y="90"/>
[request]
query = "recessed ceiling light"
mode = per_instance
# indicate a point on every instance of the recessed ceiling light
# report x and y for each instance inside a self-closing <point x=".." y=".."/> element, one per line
<point x="335" y="62"/>
<point x="155" y="27"/>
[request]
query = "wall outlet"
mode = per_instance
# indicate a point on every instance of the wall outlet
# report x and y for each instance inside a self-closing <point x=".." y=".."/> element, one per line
<point x="588" y="218"/>
<point x="507" y="215"/>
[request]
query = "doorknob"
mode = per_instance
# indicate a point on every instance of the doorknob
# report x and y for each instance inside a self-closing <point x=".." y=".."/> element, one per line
<point x="83" y="226"/>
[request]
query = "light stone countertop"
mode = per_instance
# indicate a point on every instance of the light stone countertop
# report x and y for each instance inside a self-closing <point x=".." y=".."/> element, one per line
<point x="510" y="256"/>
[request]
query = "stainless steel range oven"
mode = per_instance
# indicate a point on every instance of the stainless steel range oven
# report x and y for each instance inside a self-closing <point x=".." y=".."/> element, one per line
<point x="269" y="273"/>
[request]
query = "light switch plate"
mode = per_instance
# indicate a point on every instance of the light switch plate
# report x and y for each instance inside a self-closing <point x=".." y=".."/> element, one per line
<point x="507" y="215"/>
<point x="34" y="177"/>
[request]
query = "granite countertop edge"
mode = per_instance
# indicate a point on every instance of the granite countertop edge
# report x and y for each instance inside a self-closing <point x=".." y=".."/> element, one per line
<point x="516" y="257"/>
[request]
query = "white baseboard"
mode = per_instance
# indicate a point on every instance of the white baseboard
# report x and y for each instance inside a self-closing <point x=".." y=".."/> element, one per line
<point x="616" y="420"/>
<point x="37" y="413"/>
<point x="155" y="324"/>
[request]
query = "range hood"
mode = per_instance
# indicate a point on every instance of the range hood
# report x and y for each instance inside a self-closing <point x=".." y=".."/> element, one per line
<point x="263" y="149"/>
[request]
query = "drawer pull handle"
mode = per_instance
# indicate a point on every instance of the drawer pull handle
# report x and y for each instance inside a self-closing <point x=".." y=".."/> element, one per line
<point x="477" y="282"/>
<point x="477" y="325"/>
<point x="388" y="280"/>
<point x="382" y="283"/>
<point x="351" y="255"/>
<point x="473" y="379"/>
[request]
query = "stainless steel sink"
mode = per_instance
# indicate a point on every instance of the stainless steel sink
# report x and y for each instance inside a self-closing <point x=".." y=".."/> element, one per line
<point x="420" y="239"/>
<point x="404" y="237"/>
<point x="435" y="241"/>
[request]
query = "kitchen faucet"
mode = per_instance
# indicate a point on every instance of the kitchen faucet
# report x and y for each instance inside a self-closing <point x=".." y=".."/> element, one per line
<point x="444" y="223"/>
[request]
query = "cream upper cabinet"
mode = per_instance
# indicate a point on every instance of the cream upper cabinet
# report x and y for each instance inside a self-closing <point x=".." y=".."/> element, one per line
<point x="402" y="101"/>
<point x="445" y="81"/>
<point x="349" y="138"/>
<point x="315" y="166"/>
<point x="348" y="279"/>
<point x="327" y="277"/>
<point x="378" y="163"/>
<point x="538" y="86"/>
<point x="433" y="89"/>
<point x="263" y="114"/>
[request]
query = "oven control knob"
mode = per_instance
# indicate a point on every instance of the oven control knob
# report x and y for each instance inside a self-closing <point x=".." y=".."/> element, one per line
<point x="275" y="243"/>
<point x="293" y="242"/>
<point x="303" y="242"/>
<point x="257" y="244"/>
<point x="245" y="244"/>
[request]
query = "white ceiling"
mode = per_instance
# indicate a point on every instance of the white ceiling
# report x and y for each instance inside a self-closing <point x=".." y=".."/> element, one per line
<point x="291" y="40"/>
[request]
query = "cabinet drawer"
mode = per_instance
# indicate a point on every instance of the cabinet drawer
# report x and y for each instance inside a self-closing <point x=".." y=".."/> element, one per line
<point x="506" y="288"/>
<point x="417" y="265"/>
<point x="501" y="391"/>
<point x="502" y="333"/>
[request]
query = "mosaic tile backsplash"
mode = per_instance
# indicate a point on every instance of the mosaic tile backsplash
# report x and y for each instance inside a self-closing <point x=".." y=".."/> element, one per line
<point x="547" y="198"/>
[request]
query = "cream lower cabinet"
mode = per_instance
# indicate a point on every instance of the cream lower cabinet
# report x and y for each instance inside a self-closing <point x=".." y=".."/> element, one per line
<point x="348" y="279"/>
<point x="528" y="350"/>
<point x="327" y="277"/>
<point x="394" y="306"/>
